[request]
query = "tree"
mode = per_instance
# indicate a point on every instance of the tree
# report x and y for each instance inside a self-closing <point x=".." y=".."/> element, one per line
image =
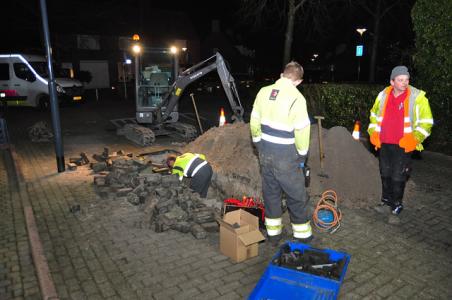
<point x="378" y="10"/>
<point x="433" y="60"/>
<point x="287" y="13"/>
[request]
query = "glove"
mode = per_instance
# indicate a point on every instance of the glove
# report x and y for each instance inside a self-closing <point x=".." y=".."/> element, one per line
<point x="301" y="160"/>
<point x="375" y="140"/>
<point x="408" y="142"/>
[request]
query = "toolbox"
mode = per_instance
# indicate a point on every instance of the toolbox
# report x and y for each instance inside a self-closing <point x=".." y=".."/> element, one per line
<point x="252" y="205"/>
<point x="280" y="282"/>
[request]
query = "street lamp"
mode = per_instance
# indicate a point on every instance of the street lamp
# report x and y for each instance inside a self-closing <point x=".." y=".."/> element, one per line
<point x="360" y="48"/>
<point x="361" y="31"/>
<point x="136" y="49"/>
<point x="174" y="50"/>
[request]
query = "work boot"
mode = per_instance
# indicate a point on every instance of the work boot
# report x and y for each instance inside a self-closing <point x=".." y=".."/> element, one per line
<point x="397" y="209"/>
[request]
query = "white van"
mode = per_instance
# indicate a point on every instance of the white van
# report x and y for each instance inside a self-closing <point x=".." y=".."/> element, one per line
<point x="24" y="80"/>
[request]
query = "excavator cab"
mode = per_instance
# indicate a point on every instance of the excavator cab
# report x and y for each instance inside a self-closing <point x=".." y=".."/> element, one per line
<point x="155" y="85"/>
<point x="157" y="101"/>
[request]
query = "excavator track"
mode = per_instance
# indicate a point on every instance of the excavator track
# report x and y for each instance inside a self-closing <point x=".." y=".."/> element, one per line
<point x="186" y="131"/>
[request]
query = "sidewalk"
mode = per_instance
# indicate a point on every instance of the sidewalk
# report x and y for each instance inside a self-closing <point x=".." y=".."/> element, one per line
<point x="104" y="251"/>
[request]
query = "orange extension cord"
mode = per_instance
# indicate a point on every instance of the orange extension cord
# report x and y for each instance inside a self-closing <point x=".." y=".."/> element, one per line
<point x="328" y="201"/>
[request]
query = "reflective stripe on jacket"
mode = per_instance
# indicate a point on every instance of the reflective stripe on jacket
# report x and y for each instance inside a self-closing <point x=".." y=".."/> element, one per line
<point x="418" y="118"/>
<point x="280" y="116"/>
<point x="188" y="164"/>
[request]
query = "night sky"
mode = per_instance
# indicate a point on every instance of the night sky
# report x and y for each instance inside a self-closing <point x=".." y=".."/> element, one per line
<point x="123" y="17"/>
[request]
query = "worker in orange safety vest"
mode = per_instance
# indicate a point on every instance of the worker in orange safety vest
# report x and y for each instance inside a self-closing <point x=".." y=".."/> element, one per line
<point x="400" y="120"/>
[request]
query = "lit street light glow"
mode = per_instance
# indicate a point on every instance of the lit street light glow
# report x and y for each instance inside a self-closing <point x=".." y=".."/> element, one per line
<point x="173" y="49"/>
<point x="136" y="49"/>
<point x="361" y="31"/>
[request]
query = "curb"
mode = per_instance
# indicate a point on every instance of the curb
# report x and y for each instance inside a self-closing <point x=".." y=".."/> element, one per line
<point x="47" y="287"/>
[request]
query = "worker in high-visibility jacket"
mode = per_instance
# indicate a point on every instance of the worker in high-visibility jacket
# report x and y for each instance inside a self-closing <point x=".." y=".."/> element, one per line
<point x="194" y="166"/>
<point x="280" y="129"/>
<point x="400" y="120"/>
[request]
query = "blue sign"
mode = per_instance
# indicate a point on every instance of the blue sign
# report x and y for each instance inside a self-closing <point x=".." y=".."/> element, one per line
<point x="359" y="50"/>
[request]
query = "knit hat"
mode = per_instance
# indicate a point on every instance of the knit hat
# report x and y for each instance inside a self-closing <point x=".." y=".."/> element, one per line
<point x="399" y="70"/>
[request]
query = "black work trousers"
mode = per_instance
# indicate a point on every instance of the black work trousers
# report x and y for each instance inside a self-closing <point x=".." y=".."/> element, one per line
<point x="395" y="169"/>
<point x="201" y="181"/>
<point x="281" y="173"/>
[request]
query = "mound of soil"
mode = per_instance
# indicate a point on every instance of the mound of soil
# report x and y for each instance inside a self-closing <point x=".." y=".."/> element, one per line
<point x="348" y="167"/>
<point x="230" y="151"/>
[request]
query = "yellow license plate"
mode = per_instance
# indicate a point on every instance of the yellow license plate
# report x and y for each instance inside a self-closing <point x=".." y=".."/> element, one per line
<point x="77" y="98"/>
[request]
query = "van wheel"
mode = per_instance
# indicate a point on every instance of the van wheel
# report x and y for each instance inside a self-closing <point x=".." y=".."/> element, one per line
<point x="44" y="103"/>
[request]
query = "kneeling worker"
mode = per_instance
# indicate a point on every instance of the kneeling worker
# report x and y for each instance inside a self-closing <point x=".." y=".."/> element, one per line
<point x="194" y="166"/>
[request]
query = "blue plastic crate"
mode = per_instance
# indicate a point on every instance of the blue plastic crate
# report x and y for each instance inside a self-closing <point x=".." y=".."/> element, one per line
<point x="283" y="283"/>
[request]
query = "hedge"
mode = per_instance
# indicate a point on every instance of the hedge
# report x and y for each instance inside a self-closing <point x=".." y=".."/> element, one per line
<point x="341" y="104"/>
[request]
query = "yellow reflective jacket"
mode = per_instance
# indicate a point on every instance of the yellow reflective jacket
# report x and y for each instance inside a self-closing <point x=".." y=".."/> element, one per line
<point x="188" y="164"/>
<point x="280" y="116"/>
<point x="419" y="114"/>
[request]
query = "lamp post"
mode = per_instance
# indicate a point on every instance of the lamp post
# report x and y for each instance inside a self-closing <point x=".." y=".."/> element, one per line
<point x="124" y="75"/>
<point x="175" y="51"/>
<point x="136" y="48"/>
<point x="360" y="48"/>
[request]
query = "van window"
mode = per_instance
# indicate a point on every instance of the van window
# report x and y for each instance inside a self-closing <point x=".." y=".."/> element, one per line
<point x="22" y="71"/>
<point x="41" y="68"/>
<point x="4" y="71"/>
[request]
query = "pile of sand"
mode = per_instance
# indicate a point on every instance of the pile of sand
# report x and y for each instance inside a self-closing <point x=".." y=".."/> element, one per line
<point x="351" y="169"/>
<point x="230" y="151"/>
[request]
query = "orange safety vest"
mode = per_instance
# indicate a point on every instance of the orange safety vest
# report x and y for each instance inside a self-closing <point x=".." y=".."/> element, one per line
<point x="408" y="141"/>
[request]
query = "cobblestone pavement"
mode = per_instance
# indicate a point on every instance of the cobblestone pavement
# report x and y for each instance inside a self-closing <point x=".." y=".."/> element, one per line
<point x="105" y="252"/>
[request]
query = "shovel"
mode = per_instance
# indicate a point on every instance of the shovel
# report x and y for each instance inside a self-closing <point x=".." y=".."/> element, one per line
<point x="321" y="153"/>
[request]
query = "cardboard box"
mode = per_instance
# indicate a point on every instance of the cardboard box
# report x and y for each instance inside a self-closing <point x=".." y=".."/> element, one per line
<point x="239" y="235"/>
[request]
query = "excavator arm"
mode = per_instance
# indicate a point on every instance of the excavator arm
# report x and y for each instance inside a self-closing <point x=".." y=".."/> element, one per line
<point x="194" y="73"/>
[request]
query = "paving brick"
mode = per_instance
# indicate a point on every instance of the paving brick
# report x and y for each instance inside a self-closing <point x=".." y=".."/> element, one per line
<point x="208" y="295"/>
<point x="228" y="287"/>
<point x="167" y="293"/>
<point x="229" y="296"/>
<point x="387" y="290"/>
<point x="210" y="284"/>
<point x="89" y="287"/>
<point x="106" y="289"/>
<point x="192" y="293"/>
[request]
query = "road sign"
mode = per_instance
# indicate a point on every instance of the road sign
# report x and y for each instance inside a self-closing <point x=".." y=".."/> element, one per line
<point x="359" y="50"/>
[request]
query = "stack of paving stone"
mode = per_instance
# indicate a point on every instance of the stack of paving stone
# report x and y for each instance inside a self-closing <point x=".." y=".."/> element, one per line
<point x="166" y="202"/>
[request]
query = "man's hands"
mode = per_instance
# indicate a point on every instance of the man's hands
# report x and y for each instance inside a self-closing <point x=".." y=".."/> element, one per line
<point x="408" y="142"/>
<point x="375" y="140"/>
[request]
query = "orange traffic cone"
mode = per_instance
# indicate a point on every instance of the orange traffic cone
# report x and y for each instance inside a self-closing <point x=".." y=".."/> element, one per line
<point x="222" y="118"/>
<point x="356" y="130"/>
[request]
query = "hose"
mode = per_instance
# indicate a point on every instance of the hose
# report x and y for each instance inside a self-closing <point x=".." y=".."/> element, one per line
<point x="327" y="202"/>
